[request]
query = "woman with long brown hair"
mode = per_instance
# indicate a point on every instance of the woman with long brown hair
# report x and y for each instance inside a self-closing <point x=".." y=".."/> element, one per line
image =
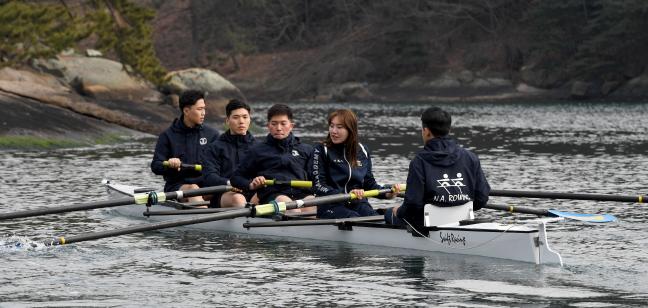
<point x="341" y="164"/>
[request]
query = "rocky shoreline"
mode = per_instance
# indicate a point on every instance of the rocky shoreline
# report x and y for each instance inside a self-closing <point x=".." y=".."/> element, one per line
<point x="83" y="99"/>
<point x="75" y="99"/>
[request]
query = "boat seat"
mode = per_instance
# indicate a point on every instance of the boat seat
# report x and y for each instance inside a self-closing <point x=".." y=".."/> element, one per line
<point x="434" y="216"/>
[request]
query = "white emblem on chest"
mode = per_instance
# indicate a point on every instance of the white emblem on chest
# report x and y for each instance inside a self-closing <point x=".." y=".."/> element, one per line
<point x="295" y="153"/>
<point x="203" y="141"/>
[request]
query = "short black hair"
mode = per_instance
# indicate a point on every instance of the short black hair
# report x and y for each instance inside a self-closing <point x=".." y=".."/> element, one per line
<point x="280" y="109"/>
<point x="189" y="98"/>
<point x="437" y="120"/>
<point x="235" y="104"/>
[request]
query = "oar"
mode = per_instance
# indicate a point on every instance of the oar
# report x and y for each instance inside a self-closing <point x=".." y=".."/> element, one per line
<point x="192" y="211"/>
<point x="296" y="183"/>
<point x="315" y="222"/>
<point x="140" y="198"/>
<point x="291" y="183"/>
<point x="188" y="212"/>
<point x="259" y="210"/>
<point x="597" y="218"/>
<point x="184" y="166"/>
<point x="573" y="196"/>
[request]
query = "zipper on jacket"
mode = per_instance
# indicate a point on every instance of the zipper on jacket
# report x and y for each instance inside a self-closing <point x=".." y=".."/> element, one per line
<point x="347" y="161"/>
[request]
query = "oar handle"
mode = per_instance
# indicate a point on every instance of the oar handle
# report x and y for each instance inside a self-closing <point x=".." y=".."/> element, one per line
<point x="572" y="196"/>
<point x="184" y="166"/>
<point x="291" y="183"/>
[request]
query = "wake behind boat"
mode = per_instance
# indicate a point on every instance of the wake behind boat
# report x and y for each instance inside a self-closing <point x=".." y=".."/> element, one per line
<point x="519" y="242"/>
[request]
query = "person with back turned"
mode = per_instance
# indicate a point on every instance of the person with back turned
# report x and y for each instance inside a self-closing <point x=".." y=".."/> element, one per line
<point x="445" y="182"/>
<point x="225" y="154"/>
<point x="183" y="143"/>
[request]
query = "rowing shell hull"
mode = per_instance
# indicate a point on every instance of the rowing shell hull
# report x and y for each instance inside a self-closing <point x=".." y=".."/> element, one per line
<point x="526" y="243"/>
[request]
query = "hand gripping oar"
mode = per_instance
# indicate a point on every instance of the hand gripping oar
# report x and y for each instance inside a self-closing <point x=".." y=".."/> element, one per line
<point x="184" y="166"/>
<point x="291" y="183"/>
<point x="141" y="198"/>
<point x="573" y="196"/>
<point x="597" y="218"/>
<point x="259" y="210"/>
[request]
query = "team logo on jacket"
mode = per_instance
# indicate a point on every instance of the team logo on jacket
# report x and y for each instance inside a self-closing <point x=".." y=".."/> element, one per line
<point x="359" y="163"/>
<point x="455" y="185"/>
<point x="295" y="153"/>
<point x="203" y="141"/>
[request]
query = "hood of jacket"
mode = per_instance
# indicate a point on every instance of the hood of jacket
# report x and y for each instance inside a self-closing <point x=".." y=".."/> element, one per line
<point x="440" y="151"/>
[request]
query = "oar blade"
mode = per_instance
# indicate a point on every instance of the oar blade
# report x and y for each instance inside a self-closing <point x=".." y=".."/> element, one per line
<point x="595" y="218"/>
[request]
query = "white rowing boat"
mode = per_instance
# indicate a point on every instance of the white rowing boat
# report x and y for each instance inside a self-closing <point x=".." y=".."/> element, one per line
<point x="526" y="243"/>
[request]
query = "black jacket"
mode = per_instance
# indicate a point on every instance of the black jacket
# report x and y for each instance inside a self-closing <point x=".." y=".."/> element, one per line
<point x="223" y="156"/>
<point x="286" y="159"/>
<point x="443" y="174"/>
<point x="185" y="143"/>
<point x="332" y="172"/>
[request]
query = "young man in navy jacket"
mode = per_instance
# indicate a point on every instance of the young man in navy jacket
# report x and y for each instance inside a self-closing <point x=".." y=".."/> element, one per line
<point x="443" y="173"/>
<point x="225" y="154"/>
<point x="183" y="143"/>
<point x="281" y="156"/>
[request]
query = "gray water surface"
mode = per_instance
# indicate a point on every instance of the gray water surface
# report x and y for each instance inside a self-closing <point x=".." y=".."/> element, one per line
<point x="569" y="147"/>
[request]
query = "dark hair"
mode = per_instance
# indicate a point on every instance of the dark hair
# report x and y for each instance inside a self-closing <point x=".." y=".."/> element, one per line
<point x="235" y="104"/>
<point x="350" y="122"/>
<point x="437" y="120"/>
<point x="280" y="109"/>
<point x="189" y="98"/>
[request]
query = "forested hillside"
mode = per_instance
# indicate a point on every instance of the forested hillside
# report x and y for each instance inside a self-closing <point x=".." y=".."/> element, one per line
<point x="302" y="46"/>
<point x="543" y="43"/>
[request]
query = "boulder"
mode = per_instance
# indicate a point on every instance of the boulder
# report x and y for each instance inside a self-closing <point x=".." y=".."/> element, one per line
<point x="632" y="70"/>
<point x="412" y="82"/>
<point x="201" y="79"/>
<point x="527" y="89"/>
<point x="46" y="89"/>
<point x="609" y="86"/>
<point x="48" y="83"/>
<point x="491" y="83"/>
<point x="635" y="88"/>
<point x="218" y="90"/>
<point x="539" y="77"/>
<point x="444" y="81"/>
<point x="466" y="76"/>
<point x="352" y="92"/>
<point x="93" y="53"/>
<point x="99" y="73"/>
<point x="586" y="89"/>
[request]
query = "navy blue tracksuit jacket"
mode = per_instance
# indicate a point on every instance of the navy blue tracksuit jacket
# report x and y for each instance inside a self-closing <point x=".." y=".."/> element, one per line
<point x="443" y="174"/>
<point x="286" y="159"/>
<point x="223" y="156"/>
<point x="184" y="143"/>
<point x="333" y="174"/>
